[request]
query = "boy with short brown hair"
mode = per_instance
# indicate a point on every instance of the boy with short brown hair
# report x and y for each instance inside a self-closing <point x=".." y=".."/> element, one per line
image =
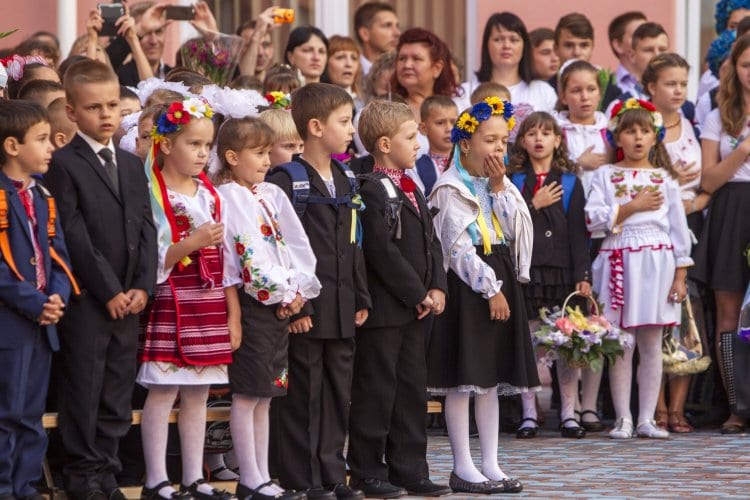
<point x="105" y="211"/>
<point x="438" y="114"/>
<point x="308" y="426"/>
<point x="62" y="129"/>
<point x="407" y="282"/>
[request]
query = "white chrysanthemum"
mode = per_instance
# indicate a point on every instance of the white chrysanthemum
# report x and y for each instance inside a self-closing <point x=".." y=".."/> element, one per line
<point x="658" y="120"/>
<point x="195" y="107"/>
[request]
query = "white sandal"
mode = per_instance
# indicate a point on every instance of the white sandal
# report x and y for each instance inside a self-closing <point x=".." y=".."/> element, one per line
<point x="623" y="429"/>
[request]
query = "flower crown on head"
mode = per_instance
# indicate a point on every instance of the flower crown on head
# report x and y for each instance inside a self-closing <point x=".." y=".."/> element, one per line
<point x="278" y="100"/>
<point x="178" y="114"/>
<point x="469" y="120"/>
<point x="14" y="65"/>
<point x="623" y="106"/>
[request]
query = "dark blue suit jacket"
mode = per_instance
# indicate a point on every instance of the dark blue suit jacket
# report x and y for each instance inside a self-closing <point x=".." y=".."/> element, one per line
<point x="20" y="301"/>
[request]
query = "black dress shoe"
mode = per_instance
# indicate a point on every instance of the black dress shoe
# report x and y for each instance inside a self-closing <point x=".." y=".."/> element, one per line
<point x="246" y="493"/>
<point x="597" y="426"/>
<point x="197" y="494"/>
<point x="488" y="487"/>
<point x="511" y="485"/>
<point x="576" y="432"/>
<point x="426" y="488"/>
<point x="318" y="492"/>
<point x="375" y="488"/>
<point x="153" y="493"/>
<point x="528" y="432"/>
<point x="345" y="492"/>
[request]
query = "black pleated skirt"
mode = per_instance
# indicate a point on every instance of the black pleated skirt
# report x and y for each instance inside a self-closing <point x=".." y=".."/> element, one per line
<point x="469" y="351"/>
<point x="259" y="366"/>
<point x="720" y="260"/>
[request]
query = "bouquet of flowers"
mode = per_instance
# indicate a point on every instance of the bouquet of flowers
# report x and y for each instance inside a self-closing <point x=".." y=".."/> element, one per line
<point x="215" y="57"/>
<point x="580" y="340"/>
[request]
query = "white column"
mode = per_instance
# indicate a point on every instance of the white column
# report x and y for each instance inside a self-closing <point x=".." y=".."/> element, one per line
<point x="332" y="17"/>
<point x="67" y="24"/>
<point x="688" y="40"/>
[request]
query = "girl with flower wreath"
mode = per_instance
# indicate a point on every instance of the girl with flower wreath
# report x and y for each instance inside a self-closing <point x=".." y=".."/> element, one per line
<point x="560" y="262"/>
<point x="640" y="271"/>
<point x="184" y="346"/>
<point x="268" y="256"/>
<point x="481" y="343"/>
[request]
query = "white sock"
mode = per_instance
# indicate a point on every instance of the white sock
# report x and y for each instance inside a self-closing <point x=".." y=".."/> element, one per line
<point x="191" y="423"/>
<point x="244" y="434"/>
<point x="567" y="378"/>
<point x="528" y="403"/>
<point x="457" y="422"/>
<point x="590" y="382"/>
<point x="154" y="431"/>
<point x="487" y="414"/>
<point x="649" y="371"/>
<point x="620" y="378"/>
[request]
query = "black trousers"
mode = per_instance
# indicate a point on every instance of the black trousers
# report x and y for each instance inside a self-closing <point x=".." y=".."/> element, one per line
<point x="389" y="405"/>
<point x="308" y="425"/>
<point x="98" y="367"/>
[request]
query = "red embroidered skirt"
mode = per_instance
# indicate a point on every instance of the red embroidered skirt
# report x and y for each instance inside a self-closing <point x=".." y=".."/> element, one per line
<point x="187" y="322"/>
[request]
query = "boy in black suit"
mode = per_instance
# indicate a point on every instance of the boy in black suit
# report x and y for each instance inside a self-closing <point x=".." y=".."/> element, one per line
<point x="407" y="282"/>
<point x="35" y="282"/>
<point x="308" y="426"/>
<point x="106" y="215"/>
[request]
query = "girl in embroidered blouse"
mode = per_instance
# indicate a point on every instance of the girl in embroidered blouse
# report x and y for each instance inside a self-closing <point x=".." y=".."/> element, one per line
<point x="641" y="268"/>
<point x="481" y="343"/>
<point x="185" y="345"/>
<point x="665" y="81"/>
<point x="268" y="257"/>
<point x="584" y="128"/>
<point x="560" y="262"/>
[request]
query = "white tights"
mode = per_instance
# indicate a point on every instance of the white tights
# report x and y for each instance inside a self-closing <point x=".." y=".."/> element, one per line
<point x="250" y="434"/>
<point x="191" y="423"/>
<point x="648" y="341"/>
<point x="487" y="414"/>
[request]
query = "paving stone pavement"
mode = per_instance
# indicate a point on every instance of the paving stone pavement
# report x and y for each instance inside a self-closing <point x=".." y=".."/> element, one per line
<point x="703" y="464"/>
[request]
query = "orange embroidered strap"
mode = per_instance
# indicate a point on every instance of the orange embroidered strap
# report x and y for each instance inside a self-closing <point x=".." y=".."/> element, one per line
<point x="4" y="242"/>
<point x="52" y="208"/>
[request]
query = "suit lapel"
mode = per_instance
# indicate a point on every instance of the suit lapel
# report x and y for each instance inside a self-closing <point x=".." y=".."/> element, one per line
<point x="83" y="150"/>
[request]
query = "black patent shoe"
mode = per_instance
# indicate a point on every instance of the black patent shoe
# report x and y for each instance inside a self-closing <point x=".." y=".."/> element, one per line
<point x="246" y="493"/>
<point x="488" y="487"/>
<point x="153" y="493"/>
<point x="528" y="432"/>
<point x="597" y="426"/>
<point x="426" y="488"/>
<point x="511" y="485"/>
<point x="345" y="492"/>
<point x="197" y="494"/>
<point x="576" y="432"/>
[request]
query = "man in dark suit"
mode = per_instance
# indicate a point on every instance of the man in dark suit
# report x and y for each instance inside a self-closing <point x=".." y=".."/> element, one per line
<point x="308" y="426"/>
<point x="104" y="205"/>
<point x="407" y="282"/>
<point x="33" y="291"/>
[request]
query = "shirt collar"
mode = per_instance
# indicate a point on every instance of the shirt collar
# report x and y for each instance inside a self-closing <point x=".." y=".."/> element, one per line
<point x="97" y="146"/>
<point x="394" y="173"/>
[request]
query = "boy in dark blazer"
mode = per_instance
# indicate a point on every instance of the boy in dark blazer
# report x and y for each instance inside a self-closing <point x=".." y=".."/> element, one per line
<point x="106" y="215"/>
<point x="308" y="426"/>
<point x="407" y="283"/>
<point x="34" y="288"/>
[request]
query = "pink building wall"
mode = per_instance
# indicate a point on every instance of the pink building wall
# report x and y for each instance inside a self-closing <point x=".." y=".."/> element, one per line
<point x="545" y="13"/>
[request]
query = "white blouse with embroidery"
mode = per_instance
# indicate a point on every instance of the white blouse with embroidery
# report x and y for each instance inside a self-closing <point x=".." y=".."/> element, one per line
<point x="190" y="212"/>
<point x="685" y="155"/>
<point x="266" y="249"/>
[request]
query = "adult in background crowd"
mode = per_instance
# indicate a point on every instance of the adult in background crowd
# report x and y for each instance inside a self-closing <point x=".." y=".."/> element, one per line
<point x="307" y="53"/>
<point x="377" y="31"/>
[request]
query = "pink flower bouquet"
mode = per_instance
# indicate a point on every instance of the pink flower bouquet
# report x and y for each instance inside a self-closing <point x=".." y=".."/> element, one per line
<point x="215" y="57"/>
<point x="581" y="341"/>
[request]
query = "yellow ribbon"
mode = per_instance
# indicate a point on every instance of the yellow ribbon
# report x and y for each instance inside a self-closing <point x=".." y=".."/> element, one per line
<point x="484" y="231"/>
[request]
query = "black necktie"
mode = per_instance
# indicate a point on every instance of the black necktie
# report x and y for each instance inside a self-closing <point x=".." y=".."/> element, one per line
<point x="110" y="167"/>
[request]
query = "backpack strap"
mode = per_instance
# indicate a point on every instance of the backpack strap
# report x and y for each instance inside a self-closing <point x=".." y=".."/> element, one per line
<point x="51" y="232"/>
<point x="568" y="185"/>
<point x="5" y="251"/>
<point x="518" y="180"/>
<point x="426" y="171"/>
<point x="300" y="185"/>
<point x="393" y="203"/>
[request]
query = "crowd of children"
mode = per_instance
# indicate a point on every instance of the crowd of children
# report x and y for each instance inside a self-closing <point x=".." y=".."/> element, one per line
<point x="335" y="260"/>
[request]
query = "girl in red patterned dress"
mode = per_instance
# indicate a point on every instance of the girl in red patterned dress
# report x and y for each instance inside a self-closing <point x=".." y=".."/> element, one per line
<point x="185" y="345"/>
